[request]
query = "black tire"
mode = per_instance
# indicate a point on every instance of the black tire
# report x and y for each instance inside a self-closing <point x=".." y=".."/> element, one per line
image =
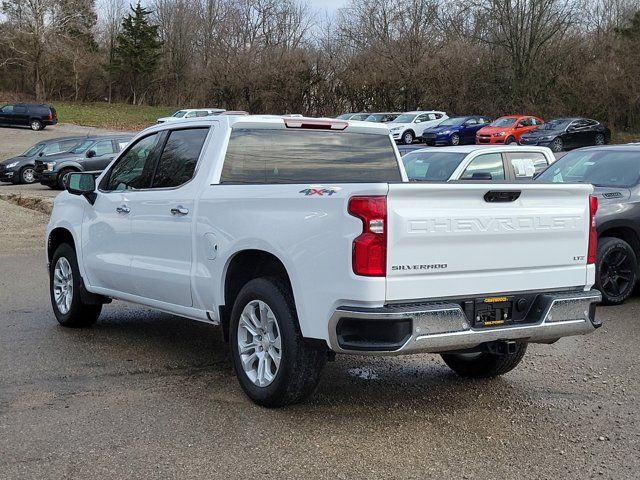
<point x="27" y="175"/>
<point x="79" y="314"/>
<point x="484" y="364"/>
<point x="616" y="270"/>
<point x="407" y="137"/>
<point x="599" y="139"/>
<point x="510" y="141"/>
<point x="455" y="139"/>
<point x="36" y="125"/>
<point x="557" y="145"/>
<point x="61" y="180"/>
<point x="300" y="365"/>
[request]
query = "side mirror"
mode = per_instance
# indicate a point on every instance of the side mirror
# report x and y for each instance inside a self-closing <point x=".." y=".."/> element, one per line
<point x="82" y="184"/>
<point x="41" y="154"/>
<point x="91" y="153"/>
<point x="481" y="176"/>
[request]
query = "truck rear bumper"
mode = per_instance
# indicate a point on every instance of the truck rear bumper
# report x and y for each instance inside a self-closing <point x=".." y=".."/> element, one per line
<point x="442" y="327"/>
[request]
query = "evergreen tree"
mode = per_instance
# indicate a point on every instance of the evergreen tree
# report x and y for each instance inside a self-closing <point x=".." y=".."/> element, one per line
<point x="136" y="53"/>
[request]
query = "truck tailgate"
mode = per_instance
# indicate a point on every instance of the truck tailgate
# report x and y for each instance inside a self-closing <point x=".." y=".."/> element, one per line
<point x="455" y="239"/>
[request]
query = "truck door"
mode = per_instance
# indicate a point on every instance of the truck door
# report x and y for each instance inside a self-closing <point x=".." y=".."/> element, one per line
<point x="162" y="221"/>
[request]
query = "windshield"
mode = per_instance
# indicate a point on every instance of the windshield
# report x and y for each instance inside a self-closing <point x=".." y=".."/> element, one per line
<point x="359" y="116"/>
<point x="602" y="168"/>
<point x="82" y="147"/>
<point x="33" y="150"/>
<point x="404" y="118"/>
<point x="431" y="166"/>
<point x="504" y="122"/>
<point x="179" y="114"/>
<point x="453" y="122"/>
<point x="374" y="118"/>
<point x="344" y="116"/>
<point x="558" y="124"/>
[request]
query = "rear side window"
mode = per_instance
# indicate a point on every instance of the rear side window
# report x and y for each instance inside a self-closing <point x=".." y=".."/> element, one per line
<point x="277" y="156"/>
<point x="179" y="157"/>
<point x="527" y="164"/>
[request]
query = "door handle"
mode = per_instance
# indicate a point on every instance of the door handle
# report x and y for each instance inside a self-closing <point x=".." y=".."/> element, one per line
<point x="179" y="210"/>
<point x="123" y="209"/>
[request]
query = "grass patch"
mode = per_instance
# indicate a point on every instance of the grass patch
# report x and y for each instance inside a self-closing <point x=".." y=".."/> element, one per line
<point x="37" y="204"/>
<point x="625" y="137"/>
<point x="114" y="116"/>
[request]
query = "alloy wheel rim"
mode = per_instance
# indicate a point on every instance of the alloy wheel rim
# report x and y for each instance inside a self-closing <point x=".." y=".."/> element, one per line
<point x="599" y="140"/>
<point x="455" y="139"/>
<point x="557" y="143"/>
<point x="63" y="285"/>
<point x="259" y="343"/>
<point x="616" y="273"/>
<point x="35" y="125"/>
<point x="27" y="175"/>
<point x="408" y="138"/>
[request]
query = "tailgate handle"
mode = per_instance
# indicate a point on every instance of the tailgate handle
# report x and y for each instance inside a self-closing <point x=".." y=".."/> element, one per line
<point x="496" y="196"/>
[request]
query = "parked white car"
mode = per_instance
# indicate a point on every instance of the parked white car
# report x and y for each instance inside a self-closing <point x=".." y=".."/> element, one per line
<point x="476" y="162"/>
<point x="302" y="238"/>
<point x="411" y="125"/>
<point x="191" y="113"/>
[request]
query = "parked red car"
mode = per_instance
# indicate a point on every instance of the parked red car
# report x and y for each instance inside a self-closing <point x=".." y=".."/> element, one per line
<point x="507" y="129"/>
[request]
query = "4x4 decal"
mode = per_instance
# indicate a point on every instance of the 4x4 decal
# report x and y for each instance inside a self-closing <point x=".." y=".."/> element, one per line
<point x="320" y="190"/>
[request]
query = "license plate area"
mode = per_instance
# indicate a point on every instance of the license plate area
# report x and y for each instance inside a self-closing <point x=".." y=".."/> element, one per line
<point x="493" y="312"/>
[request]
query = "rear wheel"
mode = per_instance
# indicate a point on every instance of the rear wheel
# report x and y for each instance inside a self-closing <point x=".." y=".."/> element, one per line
<point x="484" y="364"/>
<point x="36" y="125"/>
<point x="616" y="270"/>
<point x="599" y="140"/>
<point x="455" y="139"/>
<point x="510" y="141"/>
<point x="27" y="175"/>
<point x="64" y="288"/>
<point x="274" y="365"/>
<point x="407" y="137"/>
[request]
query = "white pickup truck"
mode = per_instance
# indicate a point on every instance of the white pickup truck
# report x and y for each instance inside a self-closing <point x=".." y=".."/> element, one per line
<point x="302" y="238"/>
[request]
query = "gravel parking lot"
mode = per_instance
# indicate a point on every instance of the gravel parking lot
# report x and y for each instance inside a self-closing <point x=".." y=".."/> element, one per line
<point x="150" y="395"/>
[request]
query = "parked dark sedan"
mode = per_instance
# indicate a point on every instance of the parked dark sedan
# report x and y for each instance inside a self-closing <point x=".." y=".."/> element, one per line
<point x="21" y="169"/>
<point x="34" y="115"/>
<point x="455" y="131"/>
<point x="92" y="154"/>
<point x="567" y="133"/>
<point x="615" y="173"/>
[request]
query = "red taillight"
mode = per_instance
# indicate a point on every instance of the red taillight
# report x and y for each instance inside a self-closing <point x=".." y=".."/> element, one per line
<point x="50" y="115"/>
<point x="315" y="123"/>
<point x="370" y="247"/>
<point x="593" y="234"/>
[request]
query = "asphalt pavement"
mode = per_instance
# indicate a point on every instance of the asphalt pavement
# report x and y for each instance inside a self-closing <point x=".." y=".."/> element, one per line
<point x="147" y="395"/>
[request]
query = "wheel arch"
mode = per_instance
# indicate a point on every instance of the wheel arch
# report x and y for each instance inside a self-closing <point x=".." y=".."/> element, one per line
<point x="622" y="231"/>
<point x="57" y="237"/>
<point x="242" y="267"/>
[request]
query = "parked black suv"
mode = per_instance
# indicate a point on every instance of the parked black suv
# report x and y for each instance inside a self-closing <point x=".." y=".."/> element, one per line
<point x="92" y="154"/>
<point x="21" y="169"/>
<point x="36" y="116"/>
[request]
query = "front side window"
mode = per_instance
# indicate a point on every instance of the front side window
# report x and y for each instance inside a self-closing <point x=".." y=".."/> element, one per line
<point x="487" y="163"/>
<point x="103" y="147"/>
<point x="179" y="157"/>
<point x="135" y="168"/>
<point x="290" y="156"/>
<point x="179" y="114"/>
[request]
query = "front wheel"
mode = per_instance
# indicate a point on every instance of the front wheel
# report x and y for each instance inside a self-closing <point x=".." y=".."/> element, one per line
<point x="27" y="175"/>
<point x="64" y="288"/>
<point x="616" y="270"/>
<point x="557" y="145"/>
<point x="61" y="182"/>
<point x="274" y="365"/>
<point x="407" y="138"/>
<point x="484" y="364"/>
<point x="511" y="141"/>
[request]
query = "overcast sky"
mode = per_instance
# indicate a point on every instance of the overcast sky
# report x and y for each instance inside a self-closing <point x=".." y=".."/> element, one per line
<point x="330" y="5"/>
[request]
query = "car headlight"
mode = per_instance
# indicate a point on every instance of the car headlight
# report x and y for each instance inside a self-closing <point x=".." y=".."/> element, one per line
<point x="11" y="165"/>
<point x="445" y="132"/>
<point x="395" y="129"/>
<point x="499" y="134"/>
<point x="546" y="138"/>
<point x="51" y="166"/>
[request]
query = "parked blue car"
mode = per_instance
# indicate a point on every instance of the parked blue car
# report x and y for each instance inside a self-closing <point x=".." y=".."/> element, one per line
<point x="455" y="131"/>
